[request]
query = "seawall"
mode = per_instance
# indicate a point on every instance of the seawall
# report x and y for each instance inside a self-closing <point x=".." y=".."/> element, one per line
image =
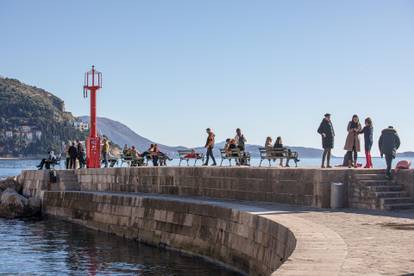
<point x="187" y="209"/>
<point x="248" y="243"/>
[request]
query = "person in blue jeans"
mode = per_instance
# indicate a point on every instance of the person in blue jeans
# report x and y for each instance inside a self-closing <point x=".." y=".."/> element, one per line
<point x="209" y="146"/>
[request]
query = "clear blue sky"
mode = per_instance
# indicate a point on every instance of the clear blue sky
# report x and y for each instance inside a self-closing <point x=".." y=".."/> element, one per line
<point x="173" y="68"/>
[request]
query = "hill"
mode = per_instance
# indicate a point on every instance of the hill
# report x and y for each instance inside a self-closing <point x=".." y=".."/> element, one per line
<point x="32" y="120"/>
<point x="407" y="154"/>
<point x="121" y="134"/>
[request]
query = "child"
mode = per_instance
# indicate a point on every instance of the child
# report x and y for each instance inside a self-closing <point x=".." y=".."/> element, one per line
<point x="368" y="131"/>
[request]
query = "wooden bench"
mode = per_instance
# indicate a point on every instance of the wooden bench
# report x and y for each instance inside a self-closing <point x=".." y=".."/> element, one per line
<point x="132" y="161"/>
<point x="50" y="164"/>
<point x="272" y="154"/>
<point x="239" y="156"/>
<point x="162" y="158"/>
<point x="184" y="155"/>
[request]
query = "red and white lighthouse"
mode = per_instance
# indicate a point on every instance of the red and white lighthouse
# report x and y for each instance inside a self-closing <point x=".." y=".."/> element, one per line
<point x="92" y="83"/>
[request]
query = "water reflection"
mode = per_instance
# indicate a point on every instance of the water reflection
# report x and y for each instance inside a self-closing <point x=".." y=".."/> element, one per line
<point x="56" y="247"/>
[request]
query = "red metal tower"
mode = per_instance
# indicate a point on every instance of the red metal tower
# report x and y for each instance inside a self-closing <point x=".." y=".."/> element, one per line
<point x="93" y="82"/>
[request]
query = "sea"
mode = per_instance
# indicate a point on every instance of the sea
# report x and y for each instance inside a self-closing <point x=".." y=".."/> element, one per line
<point x="12" y="167"/>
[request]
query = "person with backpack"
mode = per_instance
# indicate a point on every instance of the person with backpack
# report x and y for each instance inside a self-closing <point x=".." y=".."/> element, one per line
<point x="388" y="143"/>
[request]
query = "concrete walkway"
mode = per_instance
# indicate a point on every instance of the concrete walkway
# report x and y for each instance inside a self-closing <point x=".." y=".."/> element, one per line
<point x="347" y="242"/>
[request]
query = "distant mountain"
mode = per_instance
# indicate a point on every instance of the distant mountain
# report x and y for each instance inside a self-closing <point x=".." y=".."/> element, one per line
<point x="32" y="120"/>
<point x="121" y="134"/>
<point x="408" y="154"/>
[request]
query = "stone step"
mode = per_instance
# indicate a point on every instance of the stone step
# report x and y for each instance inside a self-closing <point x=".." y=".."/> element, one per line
<point x="386" y="188"/>
<point x="375" y="182"/>
<point x="370" y="176"/>
<point x="395" y="200"/>
<point x="398" y="206"/>
<point x="400" y="194"/>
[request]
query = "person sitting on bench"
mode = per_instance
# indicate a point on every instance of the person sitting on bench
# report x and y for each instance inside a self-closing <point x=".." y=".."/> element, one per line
<point x="46" y="162"/>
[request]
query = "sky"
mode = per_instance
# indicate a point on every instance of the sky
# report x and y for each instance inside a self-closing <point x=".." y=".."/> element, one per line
<point x="173" y="68"/>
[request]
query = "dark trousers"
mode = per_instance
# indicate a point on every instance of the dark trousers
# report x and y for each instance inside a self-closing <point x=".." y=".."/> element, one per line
<point x="72" y="163"/>
<point x="105" y="159"/>
<point x="81" y="162"/>
<point x="67" y="162"/>
<point x="155" y="160"/>
<point x="352" y="157"/>
<point x="210" y="154"/>
<point x="326" y="156"/>
<point x="388" y="160"/>
<point x="44" y="163"/>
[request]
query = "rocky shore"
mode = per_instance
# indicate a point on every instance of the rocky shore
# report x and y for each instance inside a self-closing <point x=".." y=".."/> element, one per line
<point x="13" y="204"/>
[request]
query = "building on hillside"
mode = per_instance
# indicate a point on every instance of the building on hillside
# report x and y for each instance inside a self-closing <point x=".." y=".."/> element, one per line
<point x="38" y="134"/>
<point x="25" y="129"/>
<point x="29" y="136"/>
<point x="81" y="126"/>
<point x="9" y="134"/>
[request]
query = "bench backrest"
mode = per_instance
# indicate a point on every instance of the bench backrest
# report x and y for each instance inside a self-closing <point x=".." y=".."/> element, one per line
<point x="184" y="153"/>
<point x="272" y="152"/>
<point x="230" y="153"/>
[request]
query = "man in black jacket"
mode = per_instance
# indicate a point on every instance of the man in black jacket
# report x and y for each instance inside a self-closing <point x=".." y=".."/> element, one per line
<point x="327" y="132"/>
<point x="389" y="142"/>
<point x="73" y="154"/>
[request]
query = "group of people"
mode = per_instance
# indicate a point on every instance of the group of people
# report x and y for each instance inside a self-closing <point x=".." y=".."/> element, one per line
<point x="238" y="142"/>
<point x="388" y="143"/>
<point x="75" y="155"/>
<point x="278" y="145"/>
<point x="152" y="153"/>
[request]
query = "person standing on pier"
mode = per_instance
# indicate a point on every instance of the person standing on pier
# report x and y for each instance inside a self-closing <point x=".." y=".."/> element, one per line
<point x="105" y="152"/>
<point x="388" y="143"/>
<point x="73" y="154"/>
<point x="81" y="154"/>
<point x="353" y="144"/>
<point x="368" y="131"/>
<point x="327" y="132"/>
<point x="209" y="146"/>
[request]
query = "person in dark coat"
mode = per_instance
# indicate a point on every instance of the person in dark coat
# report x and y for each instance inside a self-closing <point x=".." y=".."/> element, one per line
<point x="327" y="132"/>
<point x="81" y="154"/>
<point x="388" y="143"/>
<point x="73" y="154"/>
<point x="368" y="132"/>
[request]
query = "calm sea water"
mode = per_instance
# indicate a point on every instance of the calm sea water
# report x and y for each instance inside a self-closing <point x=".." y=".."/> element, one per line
<point x="53" y="247"/>
<point x="12" y="167"/>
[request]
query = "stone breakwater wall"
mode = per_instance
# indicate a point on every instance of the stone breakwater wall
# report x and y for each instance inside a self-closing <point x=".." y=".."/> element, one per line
<point x="406" y="179"/>
<point x="249" y="243"/>
<point x="307" y="187"/>
<point x="299" y="186"/>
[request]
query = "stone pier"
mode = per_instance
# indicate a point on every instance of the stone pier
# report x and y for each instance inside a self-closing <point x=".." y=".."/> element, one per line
<point x="258" y="221"/>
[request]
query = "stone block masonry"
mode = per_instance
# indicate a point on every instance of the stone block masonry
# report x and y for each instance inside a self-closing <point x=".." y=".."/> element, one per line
<point x="249" y="243"/>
